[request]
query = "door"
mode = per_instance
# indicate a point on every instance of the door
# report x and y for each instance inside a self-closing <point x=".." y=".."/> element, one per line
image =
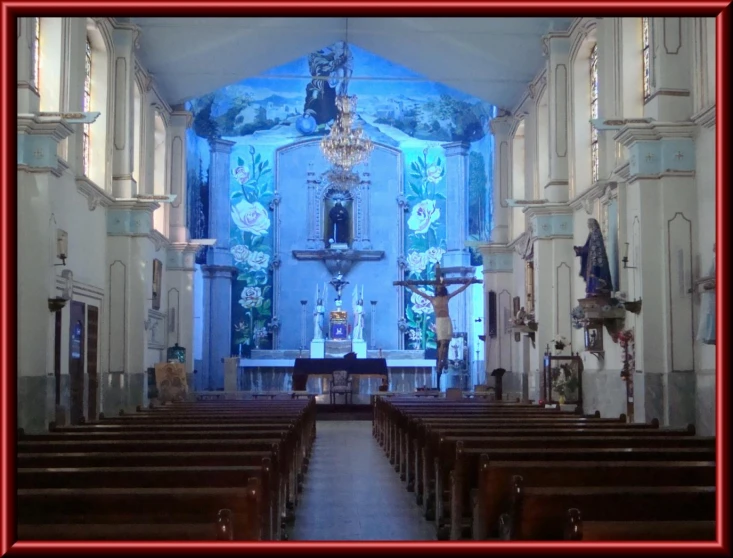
<point x="76" y="362"/>
<point x="92" y="349"/>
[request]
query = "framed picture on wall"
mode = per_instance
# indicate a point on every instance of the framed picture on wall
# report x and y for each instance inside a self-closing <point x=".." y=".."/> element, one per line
<point x="593" y="339"/>
<point x="157" y="283"/>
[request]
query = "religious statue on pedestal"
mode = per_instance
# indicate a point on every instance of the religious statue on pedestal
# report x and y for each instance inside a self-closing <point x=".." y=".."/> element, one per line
<point x="318" y="316"/>
<point x="594" y="268"/>
<point x="339" y="216"/>
<point x="358" y="308"/>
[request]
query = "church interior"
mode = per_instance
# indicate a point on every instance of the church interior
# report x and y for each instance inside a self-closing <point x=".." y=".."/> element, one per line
<point x="366" y="279"/>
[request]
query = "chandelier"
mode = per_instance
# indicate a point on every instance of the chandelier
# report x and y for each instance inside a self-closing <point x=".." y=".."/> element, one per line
<point x="343" y="179"/>
<point x="345" y="146"/>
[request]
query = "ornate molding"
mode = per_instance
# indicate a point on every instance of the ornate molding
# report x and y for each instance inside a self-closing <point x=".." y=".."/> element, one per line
<point x="94" y="194"/>
<point x="339" y="261"/>
<point x="706" y="117"/>
<point x="597" y="191"/>
<point x="159" y="240"/>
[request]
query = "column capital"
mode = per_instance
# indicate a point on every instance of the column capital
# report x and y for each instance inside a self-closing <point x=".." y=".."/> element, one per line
<point x="551" y="221"/>
<point x="38" y="140"/>
<point x="498" y="258"/>
<point x="502" y="126"/>
<point x="456" y="148"/>
<point x="654" y="131"/>
<point x="219" y="271"/>
<point x="181" y="256"/>
<point x="183" y="118"/>
<point x="556" y="42"/>
<point x="130" y="218"/>
<point x="221" y="146"/>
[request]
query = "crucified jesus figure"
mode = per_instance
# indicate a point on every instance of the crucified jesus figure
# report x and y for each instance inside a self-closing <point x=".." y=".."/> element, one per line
<point x="439" y="301"/>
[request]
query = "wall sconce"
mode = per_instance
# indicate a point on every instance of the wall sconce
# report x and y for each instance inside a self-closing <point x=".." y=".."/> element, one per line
<point x="62" y="246"/>
<point x="625" y="259"/>
<point x="57" y="303"/>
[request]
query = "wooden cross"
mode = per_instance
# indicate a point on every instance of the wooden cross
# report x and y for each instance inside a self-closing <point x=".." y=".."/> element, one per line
<point x="440" y="279"/>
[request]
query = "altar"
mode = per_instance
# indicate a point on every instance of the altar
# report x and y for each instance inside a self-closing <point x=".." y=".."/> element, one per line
<point x="292" y="370"/>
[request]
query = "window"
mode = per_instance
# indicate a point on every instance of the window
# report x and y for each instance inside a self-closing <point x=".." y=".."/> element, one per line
<point x="36" y="52"/>
<point x="594" y="111"/>
<point x="646" y="57"/>
<point x="87" y="106"/>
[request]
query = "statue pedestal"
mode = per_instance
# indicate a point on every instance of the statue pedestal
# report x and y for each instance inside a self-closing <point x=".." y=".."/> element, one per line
<point x="360" y="348"/>
<point x="318" y="348"/>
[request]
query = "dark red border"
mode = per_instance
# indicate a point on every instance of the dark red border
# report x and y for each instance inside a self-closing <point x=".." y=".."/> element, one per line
<point x="202" y="8"/>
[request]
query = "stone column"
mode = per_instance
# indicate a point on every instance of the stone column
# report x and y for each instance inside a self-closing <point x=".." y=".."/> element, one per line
<point x="552" y="231"/>
<point x="670" y="99"/>
<point x="28" y="98"/>
<point x="179" y="122"/>
<point x="456" y="219"/>
<point x="219" y="270"/>
<point x="129" y="260"/>
<point x="123" y="73"/>
<point x="37" y="164"/>
<point x="610" y="103"/>
<point x="180" y="266"/>
<point x="661" y="206"/>
<point x="501" y="128"/>
<point x="557" y="51"/>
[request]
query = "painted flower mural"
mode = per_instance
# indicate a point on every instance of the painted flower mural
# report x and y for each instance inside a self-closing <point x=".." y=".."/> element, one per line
<point x="251" y="192"/>
<point x="425" y="242"/>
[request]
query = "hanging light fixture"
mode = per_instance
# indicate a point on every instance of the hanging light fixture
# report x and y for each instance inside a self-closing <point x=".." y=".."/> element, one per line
<point x="346" y="146"/>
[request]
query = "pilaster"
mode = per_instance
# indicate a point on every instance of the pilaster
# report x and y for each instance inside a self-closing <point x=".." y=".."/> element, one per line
<point x="501" y="128"/>
<point x="661" y="216"/>
<point x="123" y="72"/>
<point x="457" y="255"/>
<point x="557" y="51"/>
<point x="180" y="267"/>
<point x="130" y="238"/>
<point x="179" y="122"/>
<point x="27" y="91"/>
<point x="498" y="278"/>
<point x="553" y="257"/>
<point x="671" y="43"/>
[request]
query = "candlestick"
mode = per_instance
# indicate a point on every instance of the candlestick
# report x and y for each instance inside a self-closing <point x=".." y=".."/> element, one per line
<point x="371" y="325"/>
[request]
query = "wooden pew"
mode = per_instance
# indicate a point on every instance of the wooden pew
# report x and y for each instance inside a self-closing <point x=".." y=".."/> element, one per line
<point x="578" y="530"/>
<point x="443" y="459"/>
<point x="140" y="513"/>
<point x="538" y="513"/>
<point x="493" y="497"/>
<point x="173" y="477"/>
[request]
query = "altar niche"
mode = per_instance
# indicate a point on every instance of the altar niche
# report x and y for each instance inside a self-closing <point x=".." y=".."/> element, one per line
<point x="337" y="219"/>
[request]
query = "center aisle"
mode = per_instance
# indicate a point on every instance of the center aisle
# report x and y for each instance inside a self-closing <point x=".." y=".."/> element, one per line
<point x="352" y="493"/>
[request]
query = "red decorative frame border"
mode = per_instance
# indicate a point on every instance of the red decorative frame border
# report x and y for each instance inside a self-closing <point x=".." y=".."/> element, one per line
<point x="9" y="10"/>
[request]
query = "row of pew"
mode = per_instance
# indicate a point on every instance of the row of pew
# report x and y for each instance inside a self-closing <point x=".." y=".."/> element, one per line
<point x="512" y="471"/>
<point x="206" y="470"/>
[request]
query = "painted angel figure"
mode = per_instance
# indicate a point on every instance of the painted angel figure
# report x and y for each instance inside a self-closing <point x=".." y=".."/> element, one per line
<point x="357" y="305"/>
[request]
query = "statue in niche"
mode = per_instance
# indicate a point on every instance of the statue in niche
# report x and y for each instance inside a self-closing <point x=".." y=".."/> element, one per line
<point x="594" y="267"/>
<point x="339" y="224"/>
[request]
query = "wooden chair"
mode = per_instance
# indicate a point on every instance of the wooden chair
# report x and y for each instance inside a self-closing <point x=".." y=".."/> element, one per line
<point x="340" y="384"/>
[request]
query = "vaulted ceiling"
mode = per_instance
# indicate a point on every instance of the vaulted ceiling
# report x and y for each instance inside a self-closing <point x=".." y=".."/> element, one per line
<point x="491" y="58"/>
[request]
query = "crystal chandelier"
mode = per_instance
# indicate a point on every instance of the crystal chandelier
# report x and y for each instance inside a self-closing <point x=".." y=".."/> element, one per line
<point x="345" y="147"/>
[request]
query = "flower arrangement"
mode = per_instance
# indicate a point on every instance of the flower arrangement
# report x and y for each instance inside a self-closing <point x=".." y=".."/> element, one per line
<point x="626" y="340"/>
<point x="578" y="317"/>
<point x="564" y="383"/>
<point x="560" y="343"/>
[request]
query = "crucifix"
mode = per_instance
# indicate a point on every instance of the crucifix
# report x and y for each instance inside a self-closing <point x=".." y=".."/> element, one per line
<point x="439" y="301"/>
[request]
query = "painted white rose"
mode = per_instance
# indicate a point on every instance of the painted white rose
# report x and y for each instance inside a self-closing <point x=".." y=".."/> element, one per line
<point x="251" y="297"/>
<point x="423" y="215"/>
<point x="434" y="174"/>
<point x="434" y="254"/>
<point x="251" y="217"/>
<point x="421" y="305"/>
<point x="417" y="262"/>
<point x="258" y="260"/>
<point x="240" y="253"/>
<point x="241" y="174"/>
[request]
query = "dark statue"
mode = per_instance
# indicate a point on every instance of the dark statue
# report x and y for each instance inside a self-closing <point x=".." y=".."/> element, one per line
<point x="594" y="268"/>
<point x="330" y="69"/>
<point x="339" y="230"/>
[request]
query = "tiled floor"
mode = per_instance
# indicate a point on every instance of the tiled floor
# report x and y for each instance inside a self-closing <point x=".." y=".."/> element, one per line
<point x="351" y="492"/>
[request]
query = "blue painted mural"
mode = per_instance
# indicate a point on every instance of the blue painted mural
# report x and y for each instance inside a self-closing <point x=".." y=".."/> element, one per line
<point x="296" y="101"/>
